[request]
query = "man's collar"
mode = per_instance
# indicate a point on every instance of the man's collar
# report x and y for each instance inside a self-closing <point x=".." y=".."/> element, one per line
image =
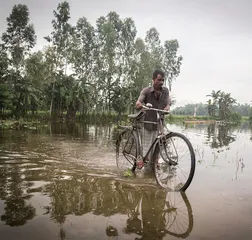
<point x="152" y="88"/>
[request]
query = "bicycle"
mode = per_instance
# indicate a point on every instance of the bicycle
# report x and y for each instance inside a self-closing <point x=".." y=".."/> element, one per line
<point x="165" y="155"/>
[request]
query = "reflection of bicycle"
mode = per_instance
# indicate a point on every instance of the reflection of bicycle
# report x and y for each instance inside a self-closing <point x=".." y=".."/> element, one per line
<point x="177" y="216"/>
<point x="172" y="155"/>
<point x="158" y="213"/>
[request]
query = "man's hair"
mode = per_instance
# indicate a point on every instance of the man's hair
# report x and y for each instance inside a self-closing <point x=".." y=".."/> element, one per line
<point x="156" y="72"/>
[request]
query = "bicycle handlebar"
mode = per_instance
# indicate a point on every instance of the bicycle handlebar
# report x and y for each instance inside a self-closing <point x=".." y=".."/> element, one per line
<point x="155" y="109"/>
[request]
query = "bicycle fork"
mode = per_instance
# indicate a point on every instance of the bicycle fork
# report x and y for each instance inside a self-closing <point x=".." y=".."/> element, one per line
<point x="167" y="156"/>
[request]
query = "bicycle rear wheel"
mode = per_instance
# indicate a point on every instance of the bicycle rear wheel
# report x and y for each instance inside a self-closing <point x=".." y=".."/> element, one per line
<point x="174" y="166"/>
<point x="127" y="150"/>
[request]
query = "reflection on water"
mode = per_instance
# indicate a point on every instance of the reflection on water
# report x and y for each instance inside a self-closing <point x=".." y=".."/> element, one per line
<point x="144" y="211"/>
<point x="80" y="130"/>
<point x="149" y="212"/>
<point x="39" y="179"/>
<point x="17" y="209"/>
<point x="220" y="135"/>
<point x="60" y="181"/>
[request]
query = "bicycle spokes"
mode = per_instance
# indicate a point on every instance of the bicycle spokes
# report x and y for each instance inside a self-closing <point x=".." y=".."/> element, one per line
<point x="126" y="151"/>
<point x="175" y="164"/>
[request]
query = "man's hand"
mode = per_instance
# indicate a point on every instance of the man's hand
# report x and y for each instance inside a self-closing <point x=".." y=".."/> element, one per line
<point x="139" y="105"/>
<point x="167" y="108"/>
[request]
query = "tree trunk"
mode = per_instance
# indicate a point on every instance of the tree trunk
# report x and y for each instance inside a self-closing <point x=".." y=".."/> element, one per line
<point x="51" y="106"/>
<point x="71" y="113"/>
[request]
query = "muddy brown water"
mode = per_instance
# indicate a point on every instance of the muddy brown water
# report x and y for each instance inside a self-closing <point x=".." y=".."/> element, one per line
<point x="60" y="182"/>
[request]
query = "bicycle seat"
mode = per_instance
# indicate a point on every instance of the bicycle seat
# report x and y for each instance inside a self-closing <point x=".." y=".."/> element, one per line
<point x="137" y="116"/>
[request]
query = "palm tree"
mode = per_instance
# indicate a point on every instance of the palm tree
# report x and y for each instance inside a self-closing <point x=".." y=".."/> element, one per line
<point x="225" y="103"/>
<point x="215" y="96"/>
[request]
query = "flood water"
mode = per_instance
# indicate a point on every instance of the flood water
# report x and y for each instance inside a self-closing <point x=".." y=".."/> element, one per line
<point x="59" y="182"/>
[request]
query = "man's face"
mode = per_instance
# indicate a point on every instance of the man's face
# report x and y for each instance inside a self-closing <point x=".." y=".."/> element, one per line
<point x="158" y="82"/>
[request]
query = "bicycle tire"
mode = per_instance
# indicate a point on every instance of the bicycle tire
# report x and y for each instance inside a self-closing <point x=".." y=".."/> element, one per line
<point x="166" y="156"/>
<point x="133" y="136"/>
<point x="190" y="219"/>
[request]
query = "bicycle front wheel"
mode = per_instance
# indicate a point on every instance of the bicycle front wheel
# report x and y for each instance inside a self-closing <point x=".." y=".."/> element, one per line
<point x="174" y="165"/>
<point x="127" y="150"/>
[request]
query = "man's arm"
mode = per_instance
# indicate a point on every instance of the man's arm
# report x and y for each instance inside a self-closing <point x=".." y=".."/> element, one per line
<point x="140" y="100"/>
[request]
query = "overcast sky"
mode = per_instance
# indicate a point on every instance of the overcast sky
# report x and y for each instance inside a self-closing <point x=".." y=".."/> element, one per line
<point x="215" y="37"/>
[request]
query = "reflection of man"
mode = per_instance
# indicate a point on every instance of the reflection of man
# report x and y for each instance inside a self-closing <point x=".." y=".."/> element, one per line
<point x="153" y="222"/>
<point x="158" y="96"/>
<point x="152" y="219"/>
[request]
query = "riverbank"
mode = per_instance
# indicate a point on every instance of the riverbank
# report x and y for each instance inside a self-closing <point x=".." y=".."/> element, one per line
<point x="201" y="119"/>
<point x="33" y="122"/>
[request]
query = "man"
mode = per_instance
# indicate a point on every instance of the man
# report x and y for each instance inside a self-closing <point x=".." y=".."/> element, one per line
<point x="158" y="96"/>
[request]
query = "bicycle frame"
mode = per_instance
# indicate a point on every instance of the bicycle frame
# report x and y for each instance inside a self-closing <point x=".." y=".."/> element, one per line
<point x="160" y="134"/>
<point x="164" y="154"/>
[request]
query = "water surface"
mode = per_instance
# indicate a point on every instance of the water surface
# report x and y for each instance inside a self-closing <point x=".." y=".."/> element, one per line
<point x="60" y="182"/>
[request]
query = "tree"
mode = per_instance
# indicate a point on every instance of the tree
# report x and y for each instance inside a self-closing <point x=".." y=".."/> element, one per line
<point x="82" y="60"/>
<point x="242" y="109"/>
<point x="121" y="94"/>
<point x="171" y="62"/>
<point x="18" y="40"/>
<point x="223" y="101"/>
<point x="153" y="46"/>
<point x="109" y="55"/>
<point x="36" y="72"/>
<point x="84" y="68"/>
<point x="142" y="60"/>
<point x="60" y="39"/>
<point x="225" y="105"/>
<point x="5" y="93"/>
<point x="19" y="37"/>
<point x="3" y="66"/>
<point x="250" y="114"/>
<point x="212" y="106"/>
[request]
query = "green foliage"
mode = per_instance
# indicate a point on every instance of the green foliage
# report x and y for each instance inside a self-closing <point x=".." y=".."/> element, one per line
<point x="250" y="114"/>
<point x="88" y="69"/>
<point x="235" y="112"/>
<point x="171" y="62"/>
<point x="83" y="69"/>
<point x="5" y="97"/>
<point x="4" y="62"/>
<point x="235" y="117"/>
<point x="18" y="40"/>
<point x="19" y="124"/>
<point x="223" y="102"/>
<point x="19" y="37"/>
<point x="60" y="41"/>
<point x="242" y="109"/>
<point x="189" y="109"/>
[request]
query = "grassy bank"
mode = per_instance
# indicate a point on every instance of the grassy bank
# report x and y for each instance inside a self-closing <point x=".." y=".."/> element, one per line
<point x="181" y="118"/>
<point x="41" y="118"/>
